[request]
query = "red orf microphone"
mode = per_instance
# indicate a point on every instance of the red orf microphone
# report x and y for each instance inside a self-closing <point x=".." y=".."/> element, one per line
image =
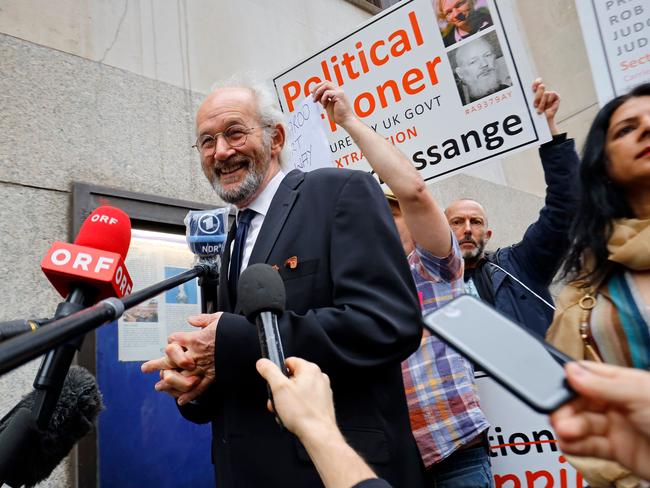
<point x="95" y="262"/>
<point x="85" y="272"/>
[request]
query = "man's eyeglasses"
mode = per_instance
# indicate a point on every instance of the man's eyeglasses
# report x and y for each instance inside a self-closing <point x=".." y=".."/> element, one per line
<point x="235" y="136"/>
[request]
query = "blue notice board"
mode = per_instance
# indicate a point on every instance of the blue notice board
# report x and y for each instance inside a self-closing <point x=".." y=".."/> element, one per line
<point x="142" y="439"/>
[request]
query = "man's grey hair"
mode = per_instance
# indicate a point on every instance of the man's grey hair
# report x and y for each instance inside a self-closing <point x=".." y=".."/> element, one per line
<point x="455" y="54"/>
<point x="268" y="110"/>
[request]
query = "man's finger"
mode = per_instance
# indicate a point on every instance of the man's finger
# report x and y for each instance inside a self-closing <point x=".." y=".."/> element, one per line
<point x="162" y="387"/>
<point x="299" y="366"/>
<point x="178" y="338"/>
<point x="203" y="320"/>
<point x="539" y="93"/>
<point x="601" y="369"/>
<point x="290" y="364"/>
<point x="196" y="392"/>
<point x="582" y="425"/>
<point x="179" y="356"/>
<point x="326" y="97"/>
<point x="598" y="447"/>
<point x="270" y="372"/>
<point x="174" y="380"/>
<point x="156" y="365"/>
<point x="601" y="381"/>
<point x="552" y="102"/>
<point x="542" y="104"/>
<point x="318" y="91"/>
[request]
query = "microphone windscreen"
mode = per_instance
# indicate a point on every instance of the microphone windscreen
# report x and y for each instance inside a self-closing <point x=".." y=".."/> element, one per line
<point x="107" y="229"/>
<point x="260" y="289"/>
<point x="74" y="416"/>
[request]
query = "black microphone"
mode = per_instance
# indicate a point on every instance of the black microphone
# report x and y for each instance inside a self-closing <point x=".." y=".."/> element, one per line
<point x="13" y="328"/>
<point x="29" y="454"/>
<point x="261" y="295"/>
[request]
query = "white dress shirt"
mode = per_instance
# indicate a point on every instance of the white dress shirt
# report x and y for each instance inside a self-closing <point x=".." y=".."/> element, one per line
<point x="261" y="206"/>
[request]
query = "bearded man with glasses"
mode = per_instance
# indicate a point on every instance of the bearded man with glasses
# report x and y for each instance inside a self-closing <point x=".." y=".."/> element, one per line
<point x="351" y="304"/>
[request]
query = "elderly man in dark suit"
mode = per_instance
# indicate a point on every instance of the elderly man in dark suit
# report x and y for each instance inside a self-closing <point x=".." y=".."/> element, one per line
<point x="351" y="305"/>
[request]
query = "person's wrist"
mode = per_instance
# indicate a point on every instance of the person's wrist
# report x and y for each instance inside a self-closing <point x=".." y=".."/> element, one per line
<point x="317" y="430"/>
<point x="349" y="122"/>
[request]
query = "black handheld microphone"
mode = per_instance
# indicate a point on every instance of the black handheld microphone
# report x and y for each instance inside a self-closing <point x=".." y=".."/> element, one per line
<point x="261" y="295"/>
<point x="28" y="454"/>
<point x="12" y="328"/>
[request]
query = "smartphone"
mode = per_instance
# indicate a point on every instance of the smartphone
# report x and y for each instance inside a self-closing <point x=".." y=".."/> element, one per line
<point x="521" y="362"/>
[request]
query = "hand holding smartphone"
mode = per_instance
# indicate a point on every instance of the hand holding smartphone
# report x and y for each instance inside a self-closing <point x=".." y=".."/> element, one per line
<point x="524" y="364"/>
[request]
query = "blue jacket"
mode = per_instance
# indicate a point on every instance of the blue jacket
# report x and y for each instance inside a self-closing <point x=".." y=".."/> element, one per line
<point x="536" y="258"/>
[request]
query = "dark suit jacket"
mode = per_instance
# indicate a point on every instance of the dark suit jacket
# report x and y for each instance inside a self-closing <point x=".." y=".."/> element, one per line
<point x="351" y="308"/>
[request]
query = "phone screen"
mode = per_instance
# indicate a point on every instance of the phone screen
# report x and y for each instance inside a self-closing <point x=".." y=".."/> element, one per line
<point x="525" y="365"/>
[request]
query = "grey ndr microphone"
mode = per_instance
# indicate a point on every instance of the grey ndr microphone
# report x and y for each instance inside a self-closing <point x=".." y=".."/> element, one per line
<point x="261" y="295"/>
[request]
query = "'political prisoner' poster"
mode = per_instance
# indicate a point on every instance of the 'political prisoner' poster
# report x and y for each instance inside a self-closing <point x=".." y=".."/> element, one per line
<point x="616" y="34"/>
<point x="446" y="101"/>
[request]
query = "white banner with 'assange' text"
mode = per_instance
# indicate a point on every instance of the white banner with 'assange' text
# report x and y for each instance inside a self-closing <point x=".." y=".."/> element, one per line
<point x="447" y="103"/>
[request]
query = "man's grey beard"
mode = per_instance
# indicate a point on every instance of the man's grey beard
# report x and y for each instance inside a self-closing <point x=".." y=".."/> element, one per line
<point x="258" y="166"/>
<point x="248" y="187"/>
<point x="481" y="87"/>
<point x="477" y="253"/>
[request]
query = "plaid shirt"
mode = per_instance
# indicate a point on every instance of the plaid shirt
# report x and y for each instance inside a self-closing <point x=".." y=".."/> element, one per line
<point x="440" y="390"/>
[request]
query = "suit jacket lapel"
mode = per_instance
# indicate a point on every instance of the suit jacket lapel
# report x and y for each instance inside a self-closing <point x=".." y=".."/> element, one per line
<point x="281" y="206"/>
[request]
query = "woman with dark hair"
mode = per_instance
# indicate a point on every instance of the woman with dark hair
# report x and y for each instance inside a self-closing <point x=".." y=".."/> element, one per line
<point x="603" y="314"/>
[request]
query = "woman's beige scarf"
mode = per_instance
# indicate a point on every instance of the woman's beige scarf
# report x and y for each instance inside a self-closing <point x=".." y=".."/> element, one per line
<point x="629" y="246"/>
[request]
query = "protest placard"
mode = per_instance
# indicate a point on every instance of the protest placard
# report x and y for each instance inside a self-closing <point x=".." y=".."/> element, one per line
<point x="523" y="447"/>
<point x="306" y="138"/>
<point x="445" y="107"/>
<point x="616" y="35"/>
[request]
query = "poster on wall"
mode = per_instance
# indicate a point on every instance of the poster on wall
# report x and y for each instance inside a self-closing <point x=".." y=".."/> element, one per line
<point x="446" y="97"/>
<point x="616" y="36"/>
<point x="143" y="329"/>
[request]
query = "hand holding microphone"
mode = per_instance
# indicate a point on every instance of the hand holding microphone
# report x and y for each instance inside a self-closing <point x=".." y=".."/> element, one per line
<point x="262" y="297"/>
<point x="304" y="400"/>
<point x="187" y="368"/>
